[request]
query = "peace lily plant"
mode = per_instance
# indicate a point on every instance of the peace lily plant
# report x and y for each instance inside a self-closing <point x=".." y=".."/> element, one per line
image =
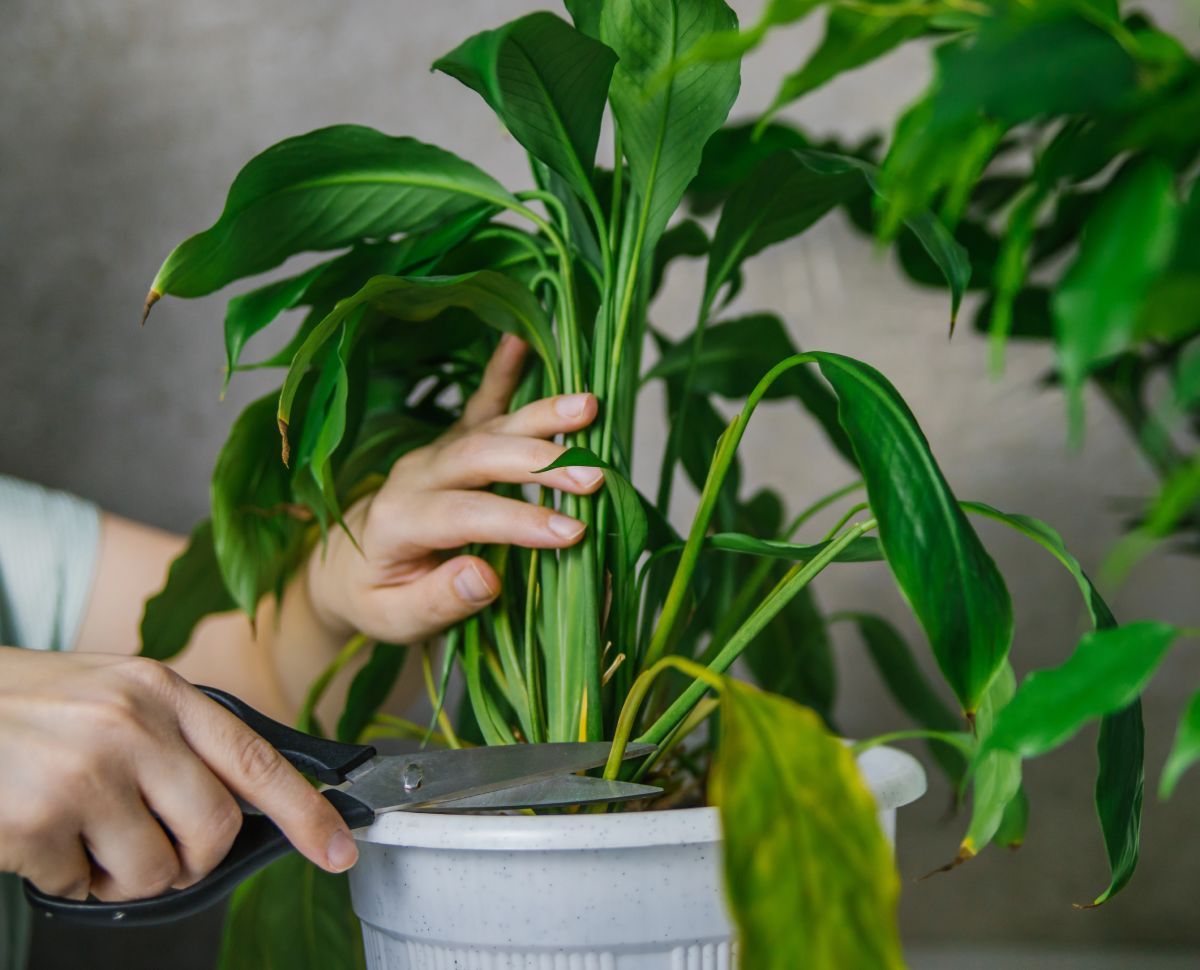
<point x="632" y="633"/>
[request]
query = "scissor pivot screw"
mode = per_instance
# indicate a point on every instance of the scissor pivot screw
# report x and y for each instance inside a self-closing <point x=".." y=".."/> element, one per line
<point x="412" y="777"/>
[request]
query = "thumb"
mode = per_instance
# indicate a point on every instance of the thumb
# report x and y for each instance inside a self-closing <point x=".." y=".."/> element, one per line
<point x="500" y="380"/>
<point x="455" y="590"/>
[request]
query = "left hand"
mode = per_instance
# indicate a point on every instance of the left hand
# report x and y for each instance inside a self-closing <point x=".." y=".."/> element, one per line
<point x="401" y="588"/>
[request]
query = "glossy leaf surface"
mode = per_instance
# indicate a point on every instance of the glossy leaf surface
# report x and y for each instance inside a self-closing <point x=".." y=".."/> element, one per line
<point x="1107" y="672"/>
<point x="547" y="82"/>
<point x="942" y="568"/>
<point x="1185" y="752"/>
<point x="665" y="119"/>
<point x="325" y="190"/>
<point x="810" y="874"/>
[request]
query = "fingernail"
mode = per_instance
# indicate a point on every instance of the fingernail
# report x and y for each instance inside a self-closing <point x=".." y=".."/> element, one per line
<point x="342" y="852"/>
<point x="571" y="405"/>
<point x="471" y="585"/>
<point x="566" y="528"/>
<point x="583" y="476"/>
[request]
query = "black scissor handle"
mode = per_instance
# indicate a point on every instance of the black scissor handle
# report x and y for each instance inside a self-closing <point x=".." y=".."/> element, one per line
<point x="327" y="761"/>
<point x="258" y="843"/>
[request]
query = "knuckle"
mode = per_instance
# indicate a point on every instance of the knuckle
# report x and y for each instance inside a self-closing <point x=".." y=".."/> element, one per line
<point x="254" y="758"/>
<point x="160" y="876"/>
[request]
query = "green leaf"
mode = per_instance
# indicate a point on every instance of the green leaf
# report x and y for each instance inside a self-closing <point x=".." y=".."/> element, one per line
<point x="1125" y="244"/>
<point x="292" y="915"/>
<point x="1014" y="823"/>
<point x="809" y="872"/>
<point x="324" y="190"/>
<point x="586" y="14"/>
<point x="369" y="689"/>
<point x="492" y="298"/>
<point x="1185" y="751"/>
<point x="731" y="155"/>
<point x="547" y="82"/>
<point x="937" y="241"/>
<point x="863" y="549"/>
<point x="942" y="568"/>
<point x="908" y="685"/>
<point x="250" y="313"/>
<point x="252" y="536"/>
<point x="685" y="238"/>
<point x="793" y="656"/>
<point x="997" y="776"/>
<point x="1187" y="376"/>
<point x="665" y="123"/>
<point x="731" y="359"/>
<point x="193" y="590"/>
<point x="1106" y="673"/>
<point x="631" y="525"/>
<point x="781" y="198"/>
<point x="1119" y="749"/>
<point x="853" y="37"/>
<point x="732" y="44"/>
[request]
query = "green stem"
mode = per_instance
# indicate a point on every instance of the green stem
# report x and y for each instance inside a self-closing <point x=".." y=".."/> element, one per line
<point x="795" y="580"/>
<point x="957" y="739"/>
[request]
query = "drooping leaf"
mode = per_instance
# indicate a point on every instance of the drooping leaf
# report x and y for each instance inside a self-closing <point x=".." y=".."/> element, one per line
<point x="1107" y="672"/>
<point x="1126" y="242"/>
<point x="908" y="685"/>
<point x="547" y="82"/>
<point x="1120" y="777"/>
<point x="732" y="358"/>
<point x="193" y="591"/>
<point x="369" y="689"/>
<point x="1185" y="752"/>
<point x="809" y="871"/>
<point x="292" y="915"/>
<point x="1014" y="823"/>
<point x="947" y="576"/>
<point x="491" y="297"/>
<point x="997" y="776"/>
<point x="252" y="312"/>
<point x="665" y="123"/>
<point x="253" y="536"/>
<point x="946" y="252"/>
<point x="324" y="190"/>
<point x="732" y="44"/>
<point x="779" y="200"/>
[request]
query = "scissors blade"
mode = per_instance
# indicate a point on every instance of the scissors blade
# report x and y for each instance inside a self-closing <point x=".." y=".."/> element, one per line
<point x="396" y="783"/>
<point x="556" y="792"/>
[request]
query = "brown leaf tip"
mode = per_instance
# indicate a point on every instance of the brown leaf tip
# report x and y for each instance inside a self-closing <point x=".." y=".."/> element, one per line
<point x="965" y="854"/>
<point x="151" y="298"/>
<point x="286" y="446"/>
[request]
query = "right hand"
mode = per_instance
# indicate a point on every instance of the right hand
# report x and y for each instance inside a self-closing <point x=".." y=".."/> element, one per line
<point x="116" y="778"/>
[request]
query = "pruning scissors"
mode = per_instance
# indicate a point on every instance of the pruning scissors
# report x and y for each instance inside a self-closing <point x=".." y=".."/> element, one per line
<point x="369" y="784"/>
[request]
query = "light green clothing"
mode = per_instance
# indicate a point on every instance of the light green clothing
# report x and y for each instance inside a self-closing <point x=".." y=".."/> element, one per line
<point x="48" y="547"/>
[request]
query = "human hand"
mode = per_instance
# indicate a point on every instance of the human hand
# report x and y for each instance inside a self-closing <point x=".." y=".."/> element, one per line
<point x="119" y="779"/>
<point x="399" y="588"/>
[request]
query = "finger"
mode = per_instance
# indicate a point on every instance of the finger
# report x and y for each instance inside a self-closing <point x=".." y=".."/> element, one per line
<point x="248" y="766"/>
<point x="480" y="459"/>
<point x="199" y="812"/>
<point x="442" y="597"/>
<point x="133" y="855"/>
<point x="548" y="417"/>
<point x="61" y="867"/>
<point x="500" y="380"/>
<point x="425" y="521"/>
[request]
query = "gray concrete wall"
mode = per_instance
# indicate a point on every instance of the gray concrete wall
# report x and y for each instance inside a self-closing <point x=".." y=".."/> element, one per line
<point x="124" y="122"/>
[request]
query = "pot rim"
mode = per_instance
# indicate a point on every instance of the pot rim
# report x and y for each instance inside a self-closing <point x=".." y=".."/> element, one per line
<point x="895" y="778"/>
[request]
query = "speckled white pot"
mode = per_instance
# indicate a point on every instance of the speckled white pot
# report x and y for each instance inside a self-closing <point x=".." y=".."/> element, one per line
<point x="635" y="891"/>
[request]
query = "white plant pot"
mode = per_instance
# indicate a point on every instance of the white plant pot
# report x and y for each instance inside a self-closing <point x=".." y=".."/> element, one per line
<point x="627" y="891"/>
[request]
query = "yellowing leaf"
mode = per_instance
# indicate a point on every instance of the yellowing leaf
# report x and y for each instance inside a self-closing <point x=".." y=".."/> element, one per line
<point x="810" y="874"/>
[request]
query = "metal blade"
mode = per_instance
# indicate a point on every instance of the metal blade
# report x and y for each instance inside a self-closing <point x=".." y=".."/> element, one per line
<point x="393" y="783"/>
<point x="551" y="793"/>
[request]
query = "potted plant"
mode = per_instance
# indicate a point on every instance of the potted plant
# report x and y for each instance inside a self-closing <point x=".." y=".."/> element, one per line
<point x="633" y="632"/>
